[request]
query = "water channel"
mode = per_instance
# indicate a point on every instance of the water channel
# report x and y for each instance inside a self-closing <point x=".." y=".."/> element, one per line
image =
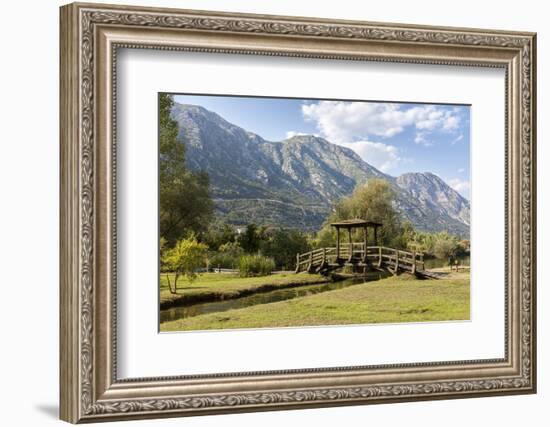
<point x="180" y="312"/>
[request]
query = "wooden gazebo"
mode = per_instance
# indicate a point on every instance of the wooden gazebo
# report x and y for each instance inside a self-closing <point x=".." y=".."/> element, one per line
<point x="360" y="255"/>
<point x="349" y="225"/>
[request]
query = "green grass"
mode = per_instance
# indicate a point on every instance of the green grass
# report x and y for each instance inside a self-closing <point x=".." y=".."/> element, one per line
<point x="391" y="300"/>
<point x="217" y="286"/>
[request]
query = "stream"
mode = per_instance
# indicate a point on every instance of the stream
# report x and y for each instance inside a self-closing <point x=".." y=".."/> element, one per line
<point x="175" y="313"/>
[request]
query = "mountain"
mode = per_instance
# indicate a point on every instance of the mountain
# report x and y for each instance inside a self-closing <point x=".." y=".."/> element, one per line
<point x="295" y="182"/>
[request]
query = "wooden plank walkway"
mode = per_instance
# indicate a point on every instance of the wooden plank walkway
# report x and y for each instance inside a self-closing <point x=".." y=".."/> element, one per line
<point x="325" y="260"/>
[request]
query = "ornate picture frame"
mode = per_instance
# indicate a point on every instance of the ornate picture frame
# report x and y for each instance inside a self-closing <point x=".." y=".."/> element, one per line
<point x="90" y="37"/>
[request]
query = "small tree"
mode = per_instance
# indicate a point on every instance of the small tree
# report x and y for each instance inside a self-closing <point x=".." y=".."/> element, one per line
<point x="184" y="259"/>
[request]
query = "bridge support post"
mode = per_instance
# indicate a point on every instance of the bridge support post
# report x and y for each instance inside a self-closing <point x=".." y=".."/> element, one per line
<point x="350" y="245"/>
<point x="414" y="263"/>
<point x="396" y="262"/>
<point x="379" y="256"/>
<point x="365" y="244"/>
<point x="297" y="263"/>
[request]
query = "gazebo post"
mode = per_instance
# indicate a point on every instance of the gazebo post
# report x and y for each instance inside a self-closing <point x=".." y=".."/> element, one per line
<point x="350" y="244"/>
<point x="365" y="246"/>
<point x="353" y="256"/>
<point x="337" y="243"/>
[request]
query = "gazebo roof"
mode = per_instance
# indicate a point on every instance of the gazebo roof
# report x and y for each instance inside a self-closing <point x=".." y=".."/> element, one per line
<point x="355" y="223"/>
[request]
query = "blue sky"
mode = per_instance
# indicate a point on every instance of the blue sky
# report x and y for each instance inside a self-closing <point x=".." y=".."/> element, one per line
<point x="394" y="137"/>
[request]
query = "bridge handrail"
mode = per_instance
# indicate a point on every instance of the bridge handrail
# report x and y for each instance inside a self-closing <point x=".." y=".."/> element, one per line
<point x="345" y="249"/>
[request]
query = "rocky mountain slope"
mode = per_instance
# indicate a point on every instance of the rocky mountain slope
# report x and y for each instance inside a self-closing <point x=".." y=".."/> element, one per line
<point x="293" y="183"/>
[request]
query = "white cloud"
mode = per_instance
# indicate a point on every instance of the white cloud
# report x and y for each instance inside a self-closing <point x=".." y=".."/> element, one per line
<point x="421" y="138"/>
<point x="382" y="156"/>
<point x="341" y="121"/>
<point x="450" y="121"/>
<point x="461" y="186"/>
<point x="461" y="170"/>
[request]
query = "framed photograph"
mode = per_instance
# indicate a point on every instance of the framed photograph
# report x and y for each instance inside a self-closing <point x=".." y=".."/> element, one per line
<point x="267" y="212"/>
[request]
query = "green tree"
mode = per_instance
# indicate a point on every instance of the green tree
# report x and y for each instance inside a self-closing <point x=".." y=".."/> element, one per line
<point x="219" y="234"/>
<point x="183" y="260"/>
<point x="185" y="203"/>
<point x="372" y="201"/>
<point x="250" y="239"/>
<point x="445" y="245"/>
<point x="283" y="245"/>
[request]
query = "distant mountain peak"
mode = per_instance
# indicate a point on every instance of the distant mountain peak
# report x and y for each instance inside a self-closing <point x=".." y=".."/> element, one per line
<point x="295" y="182"/>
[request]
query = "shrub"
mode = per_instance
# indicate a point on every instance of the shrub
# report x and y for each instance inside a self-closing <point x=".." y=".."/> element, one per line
<point x="255" y="265"/>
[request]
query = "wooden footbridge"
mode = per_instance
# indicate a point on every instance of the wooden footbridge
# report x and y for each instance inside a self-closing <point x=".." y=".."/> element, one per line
<point x="360" y="256"/>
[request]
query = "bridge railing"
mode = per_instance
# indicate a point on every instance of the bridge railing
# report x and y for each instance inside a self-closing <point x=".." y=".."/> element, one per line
<point x="397" y="257"/>
<point x="376" y="254"/>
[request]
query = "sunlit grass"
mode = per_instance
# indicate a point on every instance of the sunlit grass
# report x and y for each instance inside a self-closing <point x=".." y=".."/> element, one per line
<point x="216" y="286"/>
<point x="391" y="300"/>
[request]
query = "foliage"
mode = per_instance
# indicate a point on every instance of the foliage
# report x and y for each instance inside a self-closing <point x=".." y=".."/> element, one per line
<point x="162" y="252"/>
<point x="251" y="238"/>
<point x="227" y="256"/>
<point x="255" y="265"/>
<point x="283" y="245"/>
<point x="441" y="245"/>
<point x="219" y="234"/>
<point x="444" y="246"/>
<point x="184" y="259"/>
<point x="372" y="201"/>
<point x="185" y="204"/>
<point x="222" y="260"/>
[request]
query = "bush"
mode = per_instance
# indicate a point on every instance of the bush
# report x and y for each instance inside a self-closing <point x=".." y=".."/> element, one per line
<point x="255" y="265"/>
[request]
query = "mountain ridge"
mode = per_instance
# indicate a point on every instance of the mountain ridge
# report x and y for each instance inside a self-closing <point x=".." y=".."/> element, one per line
<point x="294" y="182"/>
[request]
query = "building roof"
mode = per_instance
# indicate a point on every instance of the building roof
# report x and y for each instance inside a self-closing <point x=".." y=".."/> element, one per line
<point x="355" y="223"/>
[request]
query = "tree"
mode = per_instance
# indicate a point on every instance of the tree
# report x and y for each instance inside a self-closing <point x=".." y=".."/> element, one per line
<point x="445" y="245"/>
<point x="250" y="239"/>
<point x="283" y="245"/>
<point x="183" y="260"/>
<point x="219" y="234"/>
<point x="185" y="203"/>
<point x="372" y="201"/>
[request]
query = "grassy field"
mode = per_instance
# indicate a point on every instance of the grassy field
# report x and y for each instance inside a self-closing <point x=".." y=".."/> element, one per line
<point x="395" y="299"/>
<point x="219" y="286"/>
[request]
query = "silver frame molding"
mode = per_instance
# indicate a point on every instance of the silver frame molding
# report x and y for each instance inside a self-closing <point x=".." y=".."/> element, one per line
<point x="90" y="37"/>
